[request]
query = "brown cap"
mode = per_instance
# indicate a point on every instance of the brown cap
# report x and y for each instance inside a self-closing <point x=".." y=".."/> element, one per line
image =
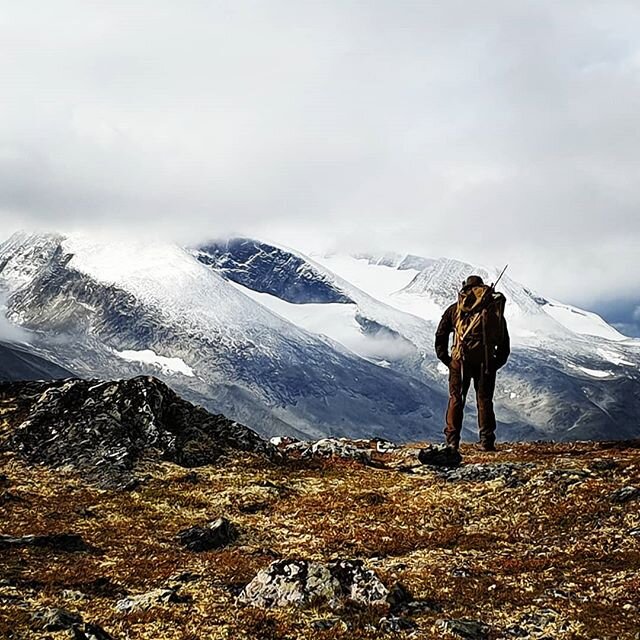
<point x="472" y="281"/>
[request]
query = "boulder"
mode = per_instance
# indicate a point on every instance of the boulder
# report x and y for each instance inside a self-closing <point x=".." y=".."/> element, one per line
<point x="147" y="600"/>
<point x="440" y="456"/>
<point x="302" y="583"/>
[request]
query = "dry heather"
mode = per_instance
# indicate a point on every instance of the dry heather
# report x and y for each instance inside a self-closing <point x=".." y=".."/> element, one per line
<point x="549" y="548"/>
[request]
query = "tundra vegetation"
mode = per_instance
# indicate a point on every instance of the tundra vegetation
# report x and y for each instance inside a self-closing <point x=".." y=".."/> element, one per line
<point x="538" y="540"/>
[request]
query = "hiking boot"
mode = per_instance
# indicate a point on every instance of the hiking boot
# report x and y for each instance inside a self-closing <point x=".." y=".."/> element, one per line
<point x="487" y="446"/>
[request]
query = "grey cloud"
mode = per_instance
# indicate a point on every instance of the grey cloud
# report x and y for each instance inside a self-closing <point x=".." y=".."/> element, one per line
<point x="493" y="131"/>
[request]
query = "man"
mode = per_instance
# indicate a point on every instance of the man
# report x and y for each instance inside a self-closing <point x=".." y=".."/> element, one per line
<point x="480" y="347"/>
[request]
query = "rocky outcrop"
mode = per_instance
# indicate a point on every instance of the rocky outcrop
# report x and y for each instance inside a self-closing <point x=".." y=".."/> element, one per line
<point x="301" y="583"/>
<point x="365" y="451"/>
<point x="105" y="428"/>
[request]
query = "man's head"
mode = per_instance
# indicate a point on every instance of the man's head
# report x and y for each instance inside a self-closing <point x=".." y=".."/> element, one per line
<point x="472" y="281"/>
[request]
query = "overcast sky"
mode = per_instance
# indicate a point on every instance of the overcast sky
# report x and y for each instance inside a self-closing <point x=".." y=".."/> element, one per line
<point x="492" y="131"/>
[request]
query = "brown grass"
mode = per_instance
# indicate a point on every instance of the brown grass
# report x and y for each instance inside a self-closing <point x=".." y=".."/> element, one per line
<point x="475" y="549"/>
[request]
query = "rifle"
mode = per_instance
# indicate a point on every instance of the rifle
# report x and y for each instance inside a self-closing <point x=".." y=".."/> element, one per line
<point x="495" y="284"/>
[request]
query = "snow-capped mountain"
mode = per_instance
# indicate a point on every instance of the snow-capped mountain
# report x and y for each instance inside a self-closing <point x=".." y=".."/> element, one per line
<point x="117" y="308"/>
<point x="571" y="375"/>
<point x="286" y="343"/>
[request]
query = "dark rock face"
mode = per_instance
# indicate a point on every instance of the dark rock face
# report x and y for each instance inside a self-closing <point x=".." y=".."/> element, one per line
<point x="213" y="536"/>
<point x="105" y="428"/>
<point x="440" y="456"/>
<point x="268" y="269"/>
<point x="302" y="583"/>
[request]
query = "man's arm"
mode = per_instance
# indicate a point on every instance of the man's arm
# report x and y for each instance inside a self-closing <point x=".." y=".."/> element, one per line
<point x="442" y="336"/>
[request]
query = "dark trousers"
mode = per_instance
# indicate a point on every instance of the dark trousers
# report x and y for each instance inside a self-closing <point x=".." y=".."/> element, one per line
<point x="460" y="377"/>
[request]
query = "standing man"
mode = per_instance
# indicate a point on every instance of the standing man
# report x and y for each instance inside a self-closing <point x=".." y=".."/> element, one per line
<point x="480" y="347"/>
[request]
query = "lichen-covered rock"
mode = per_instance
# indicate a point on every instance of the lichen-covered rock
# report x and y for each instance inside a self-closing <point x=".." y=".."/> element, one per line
<point x="214" y="535"/>
<point x="147" y="600"/>
<point x="302" y="583"/>
<point x="105" y="428"/>
<point x="364" y="451"/>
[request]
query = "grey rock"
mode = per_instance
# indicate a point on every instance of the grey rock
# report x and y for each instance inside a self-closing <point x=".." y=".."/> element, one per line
<point x="147" y="600"/>
<point x="359" y="450"/>
<point x="440" y="456"/>
<point x="73" y="595"/>
<point x="301" y="583"/>
<point x="466" y="628"/>
<point x="214" y="535"/>
<point x="625" y="494"/>
<point x="566" y="477"/>
<point x="510" y="472"/>
<point x="396" y="624"/>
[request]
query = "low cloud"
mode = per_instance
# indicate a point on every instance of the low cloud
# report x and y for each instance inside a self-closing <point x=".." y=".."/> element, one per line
<point x="10" y="332"/>
<point x="492" y="132"/>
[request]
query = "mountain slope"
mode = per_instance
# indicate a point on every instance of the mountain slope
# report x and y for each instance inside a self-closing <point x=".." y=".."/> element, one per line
<point x="571" y="376"/>
<point x="19" y="362"/>
<point x="113" y="300"/>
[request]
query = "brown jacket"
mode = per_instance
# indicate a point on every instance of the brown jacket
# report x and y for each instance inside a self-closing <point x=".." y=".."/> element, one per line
<point x="446" y="328"/>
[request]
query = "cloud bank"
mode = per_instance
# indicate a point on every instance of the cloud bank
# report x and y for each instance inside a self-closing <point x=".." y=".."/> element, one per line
<point x="494" y="131"/>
